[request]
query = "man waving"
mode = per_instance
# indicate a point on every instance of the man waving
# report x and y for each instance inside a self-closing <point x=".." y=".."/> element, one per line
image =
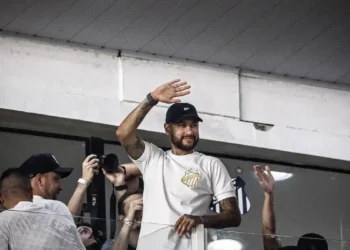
<point x="179" y="183"/>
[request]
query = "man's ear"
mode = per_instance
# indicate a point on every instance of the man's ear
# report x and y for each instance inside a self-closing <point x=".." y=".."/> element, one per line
<point x="39" y="178"/>
<point x="167" y="128"/>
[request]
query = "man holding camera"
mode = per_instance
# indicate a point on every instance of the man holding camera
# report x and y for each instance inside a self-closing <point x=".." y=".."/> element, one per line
<point x="179" y="183"/>
<point x="116" y="174"/>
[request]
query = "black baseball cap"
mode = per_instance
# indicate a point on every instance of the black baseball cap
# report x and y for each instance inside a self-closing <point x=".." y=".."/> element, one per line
<point x="43" y="163"/>
<point x="180" y="111"/>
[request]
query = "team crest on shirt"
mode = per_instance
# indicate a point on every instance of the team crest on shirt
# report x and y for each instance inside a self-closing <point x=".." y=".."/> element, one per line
<point x="191" y="178"/>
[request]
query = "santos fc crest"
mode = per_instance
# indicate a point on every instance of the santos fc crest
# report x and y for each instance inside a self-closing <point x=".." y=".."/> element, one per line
<point x="191" y="178"/>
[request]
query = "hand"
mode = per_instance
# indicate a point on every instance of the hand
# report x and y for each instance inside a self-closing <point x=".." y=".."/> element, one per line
<point x="266" y="180"/>
<point x="136" y="205"/>
<point x="168" y="91"/>
<point x="117" y="178"/>
<point x="186" y="223"/>
<point x="90" y="167"/>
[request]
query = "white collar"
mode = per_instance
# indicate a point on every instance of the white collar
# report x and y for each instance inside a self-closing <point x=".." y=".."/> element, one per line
<point x="37" y="197"/>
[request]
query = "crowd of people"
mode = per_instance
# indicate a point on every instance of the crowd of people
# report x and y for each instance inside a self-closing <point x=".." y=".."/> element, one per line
<point x="169" y="191"/>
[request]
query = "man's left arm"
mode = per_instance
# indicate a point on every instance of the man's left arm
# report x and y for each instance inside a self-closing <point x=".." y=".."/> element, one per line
<point x="224" y="191"/>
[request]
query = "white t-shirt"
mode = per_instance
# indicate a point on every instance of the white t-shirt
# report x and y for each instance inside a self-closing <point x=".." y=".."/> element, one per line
<point x="174" y="186"/>
<point x="28" y="226"/>
<point x="57" y="207"/>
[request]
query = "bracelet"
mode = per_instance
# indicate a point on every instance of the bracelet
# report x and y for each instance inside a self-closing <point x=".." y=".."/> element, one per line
<point x="128" y="222"/>
<point x="151" y="100"/>
<point x="84" y="182"/>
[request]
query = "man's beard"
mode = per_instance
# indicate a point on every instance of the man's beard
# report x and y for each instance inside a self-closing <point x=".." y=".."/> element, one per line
<point x="178" y="143"/>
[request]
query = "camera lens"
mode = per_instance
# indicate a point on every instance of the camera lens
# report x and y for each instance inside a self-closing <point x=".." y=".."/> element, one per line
<point x="110" y="163"/>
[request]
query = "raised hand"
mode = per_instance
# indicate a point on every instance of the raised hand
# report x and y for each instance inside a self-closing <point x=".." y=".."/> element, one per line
<point x="90" y="167"/>
<point x="266" y="180"/>
<point x="169" y="92"/>
<point x="117" y="178"/>
<point x="135" y="206"/>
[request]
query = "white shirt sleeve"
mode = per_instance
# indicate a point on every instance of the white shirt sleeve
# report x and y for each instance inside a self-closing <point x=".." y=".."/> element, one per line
<point x="149" y="157"/>
<point x="4" y="241"/>
<point x="222" y="185"/>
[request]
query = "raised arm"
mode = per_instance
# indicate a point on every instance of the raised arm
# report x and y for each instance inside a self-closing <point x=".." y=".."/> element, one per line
<point x="267" y="182"/>
<point x="126" y="132"/>
<point x="89" y="167"/>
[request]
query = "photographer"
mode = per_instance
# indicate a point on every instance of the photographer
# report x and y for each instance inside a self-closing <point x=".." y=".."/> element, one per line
<point x="89" y="168"/>
<point x="121" y="176"/>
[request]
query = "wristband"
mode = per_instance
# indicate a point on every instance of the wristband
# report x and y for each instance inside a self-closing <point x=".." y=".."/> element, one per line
<point x="84" y="182"/>
<point x="151" y="100"/>
<point x="121" y="187"/>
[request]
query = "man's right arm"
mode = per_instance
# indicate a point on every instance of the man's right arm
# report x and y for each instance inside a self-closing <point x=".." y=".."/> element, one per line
<point x="126" y="132"/>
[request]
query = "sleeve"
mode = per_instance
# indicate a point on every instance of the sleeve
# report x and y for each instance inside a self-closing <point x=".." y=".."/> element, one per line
<point x="222" y="185"/>
<point x="149" y="157"/>
<point x="4" y="241"/>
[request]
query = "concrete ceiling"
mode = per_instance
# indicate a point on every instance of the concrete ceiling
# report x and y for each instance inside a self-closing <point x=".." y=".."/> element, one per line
<point x="303" y="38"/>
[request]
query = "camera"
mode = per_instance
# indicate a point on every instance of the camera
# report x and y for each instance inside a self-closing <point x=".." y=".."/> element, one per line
<point x="109" y="162"/>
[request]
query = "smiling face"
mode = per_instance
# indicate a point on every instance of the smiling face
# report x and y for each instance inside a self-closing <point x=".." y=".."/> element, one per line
<point x="184" y="135"/>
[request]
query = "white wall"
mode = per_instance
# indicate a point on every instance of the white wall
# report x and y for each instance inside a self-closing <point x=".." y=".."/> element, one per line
<point x="92" y="85"/>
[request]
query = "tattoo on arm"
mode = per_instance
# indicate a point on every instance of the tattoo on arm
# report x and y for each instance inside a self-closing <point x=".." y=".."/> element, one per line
<point x="135" y="150"/>
<point x="127" y="130"/>
<point x="229" y="215"/>
<point x="227" y="204"/>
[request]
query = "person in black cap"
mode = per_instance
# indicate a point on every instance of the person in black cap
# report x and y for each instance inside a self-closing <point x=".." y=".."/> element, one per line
<point x="45" y="173"/>
<point x="179" y="183"/>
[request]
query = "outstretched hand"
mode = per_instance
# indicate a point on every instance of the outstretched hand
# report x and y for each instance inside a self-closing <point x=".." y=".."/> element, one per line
<point x="169" y="92"/>
<point x="266" y="180"/>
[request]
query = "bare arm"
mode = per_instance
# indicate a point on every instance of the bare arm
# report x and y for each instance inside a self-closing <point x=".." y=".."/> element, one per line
<point x="229" y="216"/>
<point x="89" y="166"/>
<point x="76" y="201"/>
<point x="269" y="223"/>
<point x="131" y="170"/>
<point x="126" y="132"/>
<point x="122" y="241"/>
<point x="267" y="182"/>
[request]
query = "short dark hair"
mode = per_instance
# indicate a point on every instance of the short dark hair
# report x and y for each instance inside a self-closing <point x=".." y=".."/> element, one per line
<point x="122" y="199"/>
<point x="16" y="180"/>
<point x="289" y="248"/>
<point x="311" y="239"/>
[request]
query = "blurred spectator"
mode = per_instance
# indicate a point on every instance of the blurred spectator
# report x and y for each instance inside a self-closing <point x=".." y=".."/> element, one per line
<point x="130" y="207"/>
<point x="28" y="226"/>
<point x="306" y="242"/>
<point x="89" y="236"/>
<point x="45" y="172"/>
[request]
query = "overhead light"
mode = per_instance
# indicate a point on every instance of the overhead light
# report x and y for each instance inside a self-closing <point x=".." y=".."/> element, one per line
<point x="281" y="176"/>
<point x="225" y="245"/>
